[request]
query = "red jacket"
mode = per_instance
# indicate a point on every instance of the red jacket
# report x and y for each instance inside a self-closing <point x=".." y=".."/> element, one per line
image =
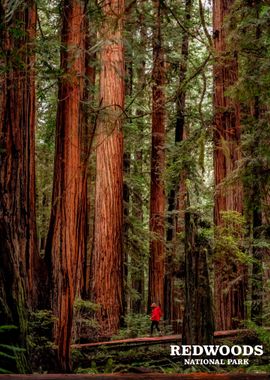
<point x="156" y="314"/>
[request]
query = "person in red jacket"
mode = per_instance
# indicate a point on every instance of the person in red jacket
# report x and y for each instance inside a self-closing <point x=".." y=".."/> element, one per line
<point x="155" y="317"/>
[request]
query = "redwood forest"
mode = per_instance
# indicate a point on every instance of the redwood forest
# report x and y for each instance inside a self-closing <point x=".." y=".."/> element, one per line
<point x="134" y="187"/>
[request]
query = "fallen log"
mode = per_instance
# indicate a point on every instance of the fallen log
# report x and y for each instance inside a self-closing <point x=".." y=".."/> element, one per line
<point x="156" y="340"/>
<point x="230" y="333"/>
<point x="150" y="340"/>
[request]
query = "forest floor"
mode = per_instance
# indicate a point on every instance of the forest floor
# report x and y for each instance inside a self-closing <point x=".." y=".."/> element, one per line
<point x="141" y="356"/>
<point x="149" y="376"/>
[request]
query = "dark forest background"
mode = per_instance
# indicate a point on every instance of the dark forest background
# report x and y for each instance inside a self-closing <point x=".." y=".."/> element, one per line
<point x="134" y="168"/>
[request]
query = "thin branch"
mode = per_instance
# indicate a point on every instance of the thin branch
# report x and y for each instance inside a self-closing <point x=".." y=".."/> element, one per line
<point x="201" y="100"/>
<point x="202" y="18"/>
<point x="186" y="30"/>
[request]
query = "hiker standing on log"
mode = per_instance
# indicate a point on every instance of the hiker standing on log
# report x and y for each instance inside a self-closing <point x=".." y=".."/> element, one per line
<point x="155" y="318"/>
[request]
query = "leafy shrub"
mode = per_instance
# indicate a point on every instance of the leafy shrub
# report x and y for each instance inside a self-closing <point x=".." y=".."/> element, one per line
<point x="85" y="325"/>
<point x="42" y="350"/>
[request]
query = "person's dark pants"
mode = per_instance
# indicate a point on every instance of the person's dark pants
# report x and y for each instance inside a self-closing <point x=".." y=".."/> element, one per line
<point x="156" y="325"/>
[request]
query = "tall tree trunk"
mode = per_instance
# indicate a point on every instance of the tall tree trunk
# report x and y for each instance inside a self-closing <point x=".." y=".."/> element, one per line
<point x="137" y="259"/>
<point x="230" y="305"/>
<point x="254" y="211"/>
<point x="255" y="199"/>
<point x="89" y="129"/>
<point x="198" y="324"/>
<point x="157" y="189"/>
<point x="258" y="253"/>
<point x="66" y="237"/>
<point x="18" y="243"/>
<point x="175" y="191"/>
<point x="126" y="200"/>
<point x="126" y="188"/>
<point x="107" y="260"/>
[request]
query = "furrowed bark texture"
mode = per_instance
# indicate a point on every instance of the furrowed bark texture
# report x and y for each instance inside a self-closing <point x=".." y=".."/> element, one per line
<point x="66" y="238"/>
<point x="198" y="324"/>
<point x="257" y="267"/>
<point x="88" y="133"/>
<point x="137" y="257"/>
<point x="107" y="260"/>
<point x="254" y="201"/>
<point x="254" y="215"/>
<point x="230" y="303"/>
<point x="126" y="200"/>
<point x="18" y="224"/>
<point x="18" y="243"/>
<point x="126" y="187"/>
<point x="178" y="189"/>
<point x="157" y="188"/>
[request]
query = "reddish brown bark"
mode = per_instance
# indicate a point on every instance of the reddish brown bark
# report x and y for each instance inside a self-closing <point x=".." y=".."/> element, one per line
<point x="230" y="304"/>
<point x="157" y="189"/>
<point x="176" y="199"/>
<point x="89" y="128"/>
<point x="66" y="238"/>
<point x="137" y="256"/>
<point x="126" y="187"/>
<point x="198" y="321"/>
<point x="18" y="243"/>
<point x="254" y="202"/>
<point x="227" y="117"/>
<point x="107" y="260"/>
<point x="177" y="289"/>
<point x="137" y="259"/>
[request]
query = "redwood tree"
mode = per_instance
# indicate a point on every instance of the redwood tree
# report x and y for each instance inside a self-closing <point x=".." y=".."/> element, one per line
<point x="107" y="258"/>
<point x="157" y="188"/>
<point x="178" y="191"/>
<point x="88" y="132"/>
<point x="229" y="296"/>
<point x="18" y="246"/>
<point x="66" y="237"/>
<point x="138" y="253"/>
<point x="198" y="321"/>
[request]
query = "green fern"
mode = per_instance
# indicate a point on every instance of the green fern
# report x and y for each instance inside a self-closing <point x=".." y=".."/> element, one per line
<point x="8" y="352"/>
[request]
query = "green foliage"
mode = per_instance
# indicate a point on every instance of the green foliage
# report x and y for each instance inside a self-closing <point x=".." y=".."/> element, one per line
<point x="85" y="325"/>
<point x="92" y="370"/>
<point x="137" y="325"/>
<point x="191" y="158"/>
<point x="41" y="323"/>
<point x="248" y="29"/>
<point x="259" y="368"/>
<point x="85" y="305"/>
<point x="41" y="347"/>
<point x="5" y="328"/>
<point x="8" y="353"/>
<point x="47" y="69"/>
<point x="151" y="359"/>
<point x="262" y="333"/>
<point x="229" y="241"/>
